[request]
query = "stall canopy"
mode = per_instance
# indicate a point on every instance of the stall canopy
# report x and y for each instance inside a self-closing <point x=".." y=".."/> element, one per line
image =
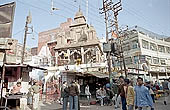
<point x="24" y="65"/>
<point x="96" y="74"/>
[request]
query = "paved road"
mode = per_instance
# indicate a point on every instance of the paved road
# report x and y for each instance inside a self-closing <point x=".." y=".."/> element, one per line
<point x="55" y="106"/>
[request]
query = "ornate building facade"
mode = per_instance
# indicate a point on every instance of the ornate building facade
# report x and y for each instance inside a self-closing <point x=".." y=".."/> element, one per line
<point x="80" y="45"/>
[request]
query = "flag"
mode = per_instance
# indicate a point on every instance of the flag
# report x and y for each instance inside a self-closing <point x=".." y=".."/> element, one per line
<point x="6" y="19"/>
<point x="114" y="34"/>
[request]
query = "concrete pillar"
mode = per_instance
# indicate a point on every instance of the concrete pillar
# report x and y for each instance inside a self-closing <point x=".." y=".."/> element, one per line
<point x="99" y="58"/>
<point x="68" y="53"/>
<point x="82" y="55"/>
<point x="157" y="78"/>
<point x="150" y="75"/>
<point x="97" y="55"/>
<point x="166" y="74"/>
<point x="56" y="57"/>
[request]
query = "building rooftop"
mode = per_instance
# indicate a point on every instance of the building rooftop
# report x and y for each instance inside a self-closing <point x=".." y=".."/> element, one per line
<point x="149" y="33"/>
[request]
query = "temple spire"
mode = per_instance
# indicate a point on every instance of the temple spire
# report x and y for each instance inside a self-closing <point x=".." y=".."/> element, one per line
<point x="79" y="8"/>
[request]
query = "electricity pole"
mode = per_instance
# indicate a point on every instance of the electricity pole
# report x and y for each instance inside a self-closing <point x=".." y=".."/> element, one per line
<point x="116" y="8"/>
<point x="25" y="38"/>
<point x="105" y="9"/>
<point x="28" y="21"/>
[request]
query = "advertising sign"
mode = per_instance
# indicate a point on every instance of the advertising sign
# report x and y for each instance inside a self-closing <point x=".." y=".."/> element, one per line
<point x="6" y="19"/>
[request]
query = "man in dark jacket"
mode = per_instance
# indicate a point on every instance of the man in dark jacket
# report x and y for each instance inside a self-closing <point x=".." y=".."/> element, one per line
<point x="121" y="92"/>
<point x="166" y="89"/>
<point x="65" y="95"/>
<point x="73" y="96"/>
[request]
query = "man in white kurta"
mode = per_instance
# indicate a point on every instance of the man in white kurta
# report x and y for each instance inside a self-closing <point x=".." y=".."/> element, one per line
<point x="36" y="89"/>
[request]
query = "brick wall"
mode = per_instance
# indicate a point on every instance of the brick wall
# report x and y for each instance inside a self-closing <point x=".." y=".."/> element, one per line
<point x="49" y="35"/>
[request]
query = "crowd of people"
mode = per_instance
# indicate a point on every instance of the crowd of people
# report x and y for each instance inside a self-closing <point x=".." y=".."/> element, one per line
<point x="139" y="96"/>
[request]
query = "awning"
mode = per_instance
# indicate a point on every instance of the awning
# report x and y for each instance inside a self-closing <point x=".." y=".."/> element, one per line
<point x="23" y="65"/>
<point x="36" y="67"/>
<point x="88" y="73"/>
<point x="96" y="74"/>
<point x="15" y="65"/>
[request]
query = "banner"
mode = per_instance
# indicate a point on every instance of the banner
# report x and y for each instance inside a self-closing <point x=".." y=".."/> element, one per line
<point x="6" y="19"/>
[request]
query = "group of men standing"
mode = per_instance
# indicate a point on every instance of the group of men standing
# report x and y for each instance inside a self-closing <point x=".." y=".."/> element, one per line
<point x="70" y="93"/>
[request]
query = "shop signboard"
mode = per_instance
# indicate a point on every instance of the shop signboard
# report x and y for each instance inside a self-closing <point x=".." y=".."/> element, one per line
<point x="6" y="19"/>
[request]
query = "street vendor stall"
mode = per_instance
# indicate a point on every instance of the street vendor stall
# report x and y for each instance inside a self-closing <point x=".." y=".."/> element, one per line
<point x="15" y="73"/>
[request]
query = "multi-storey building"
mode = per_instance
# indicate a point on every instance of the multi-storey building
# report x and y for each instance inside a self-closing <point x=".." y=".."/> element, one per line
<point x="146" y="53"/>
<point x="79" y="52"/>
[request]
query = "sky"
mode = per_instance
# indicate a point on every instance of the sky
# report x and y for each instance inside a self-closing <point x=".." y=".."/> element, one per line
<point x="153" y="15"/>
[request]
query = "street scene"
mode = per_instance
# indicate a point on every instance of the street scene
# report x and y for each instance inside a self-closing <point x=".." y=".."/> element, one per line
<point x="84" y="55"/>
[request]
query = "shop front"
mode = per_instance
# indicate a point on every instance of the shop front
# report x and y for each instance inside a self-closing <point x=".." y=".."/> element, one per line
<point x="94" y="79"/>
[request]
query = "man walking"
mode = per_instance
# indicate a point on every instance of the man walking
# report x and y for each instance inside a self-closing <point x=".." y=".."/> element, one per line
<point x="166" y="90"/>
<point x="143" y="100"/>
<point x="130" y="95"/>
<point x="121" y="92"/>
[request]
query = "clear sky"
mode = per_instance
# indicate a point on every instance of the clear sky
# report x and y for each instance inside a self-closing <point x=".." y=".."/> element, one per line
<point x="153" y="15"/>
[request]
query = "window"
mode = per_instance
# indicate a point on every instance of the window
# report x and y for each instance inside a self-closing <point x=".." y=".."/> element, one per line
<point x="142" y="58"/>
<point x="126" y="47"/>
<point x="68" y="41"/>
<point x="168" y="49"/>
<point x="135" y="44"/>
<point x="163" y="61"/>
<point x="156" y="60"/>
<point x="148" y="58"/>
<point x="128" y="60"/>
<point x="118" y="63"/>
<point x="161" y="48"/>
<point x="145" y="44"/>
<point x="153" y="47"/>
<point x="135" y="58"/>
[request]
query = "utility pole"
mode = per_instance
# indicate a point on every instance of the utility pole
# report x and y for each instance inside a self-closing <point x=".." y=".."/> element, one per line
<point x="116" y="8"/>
<point x="3" y="74"/>
<point x="28" y="21"/>
<point x="105" y="9"/>
<point x="25" y="38"/>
